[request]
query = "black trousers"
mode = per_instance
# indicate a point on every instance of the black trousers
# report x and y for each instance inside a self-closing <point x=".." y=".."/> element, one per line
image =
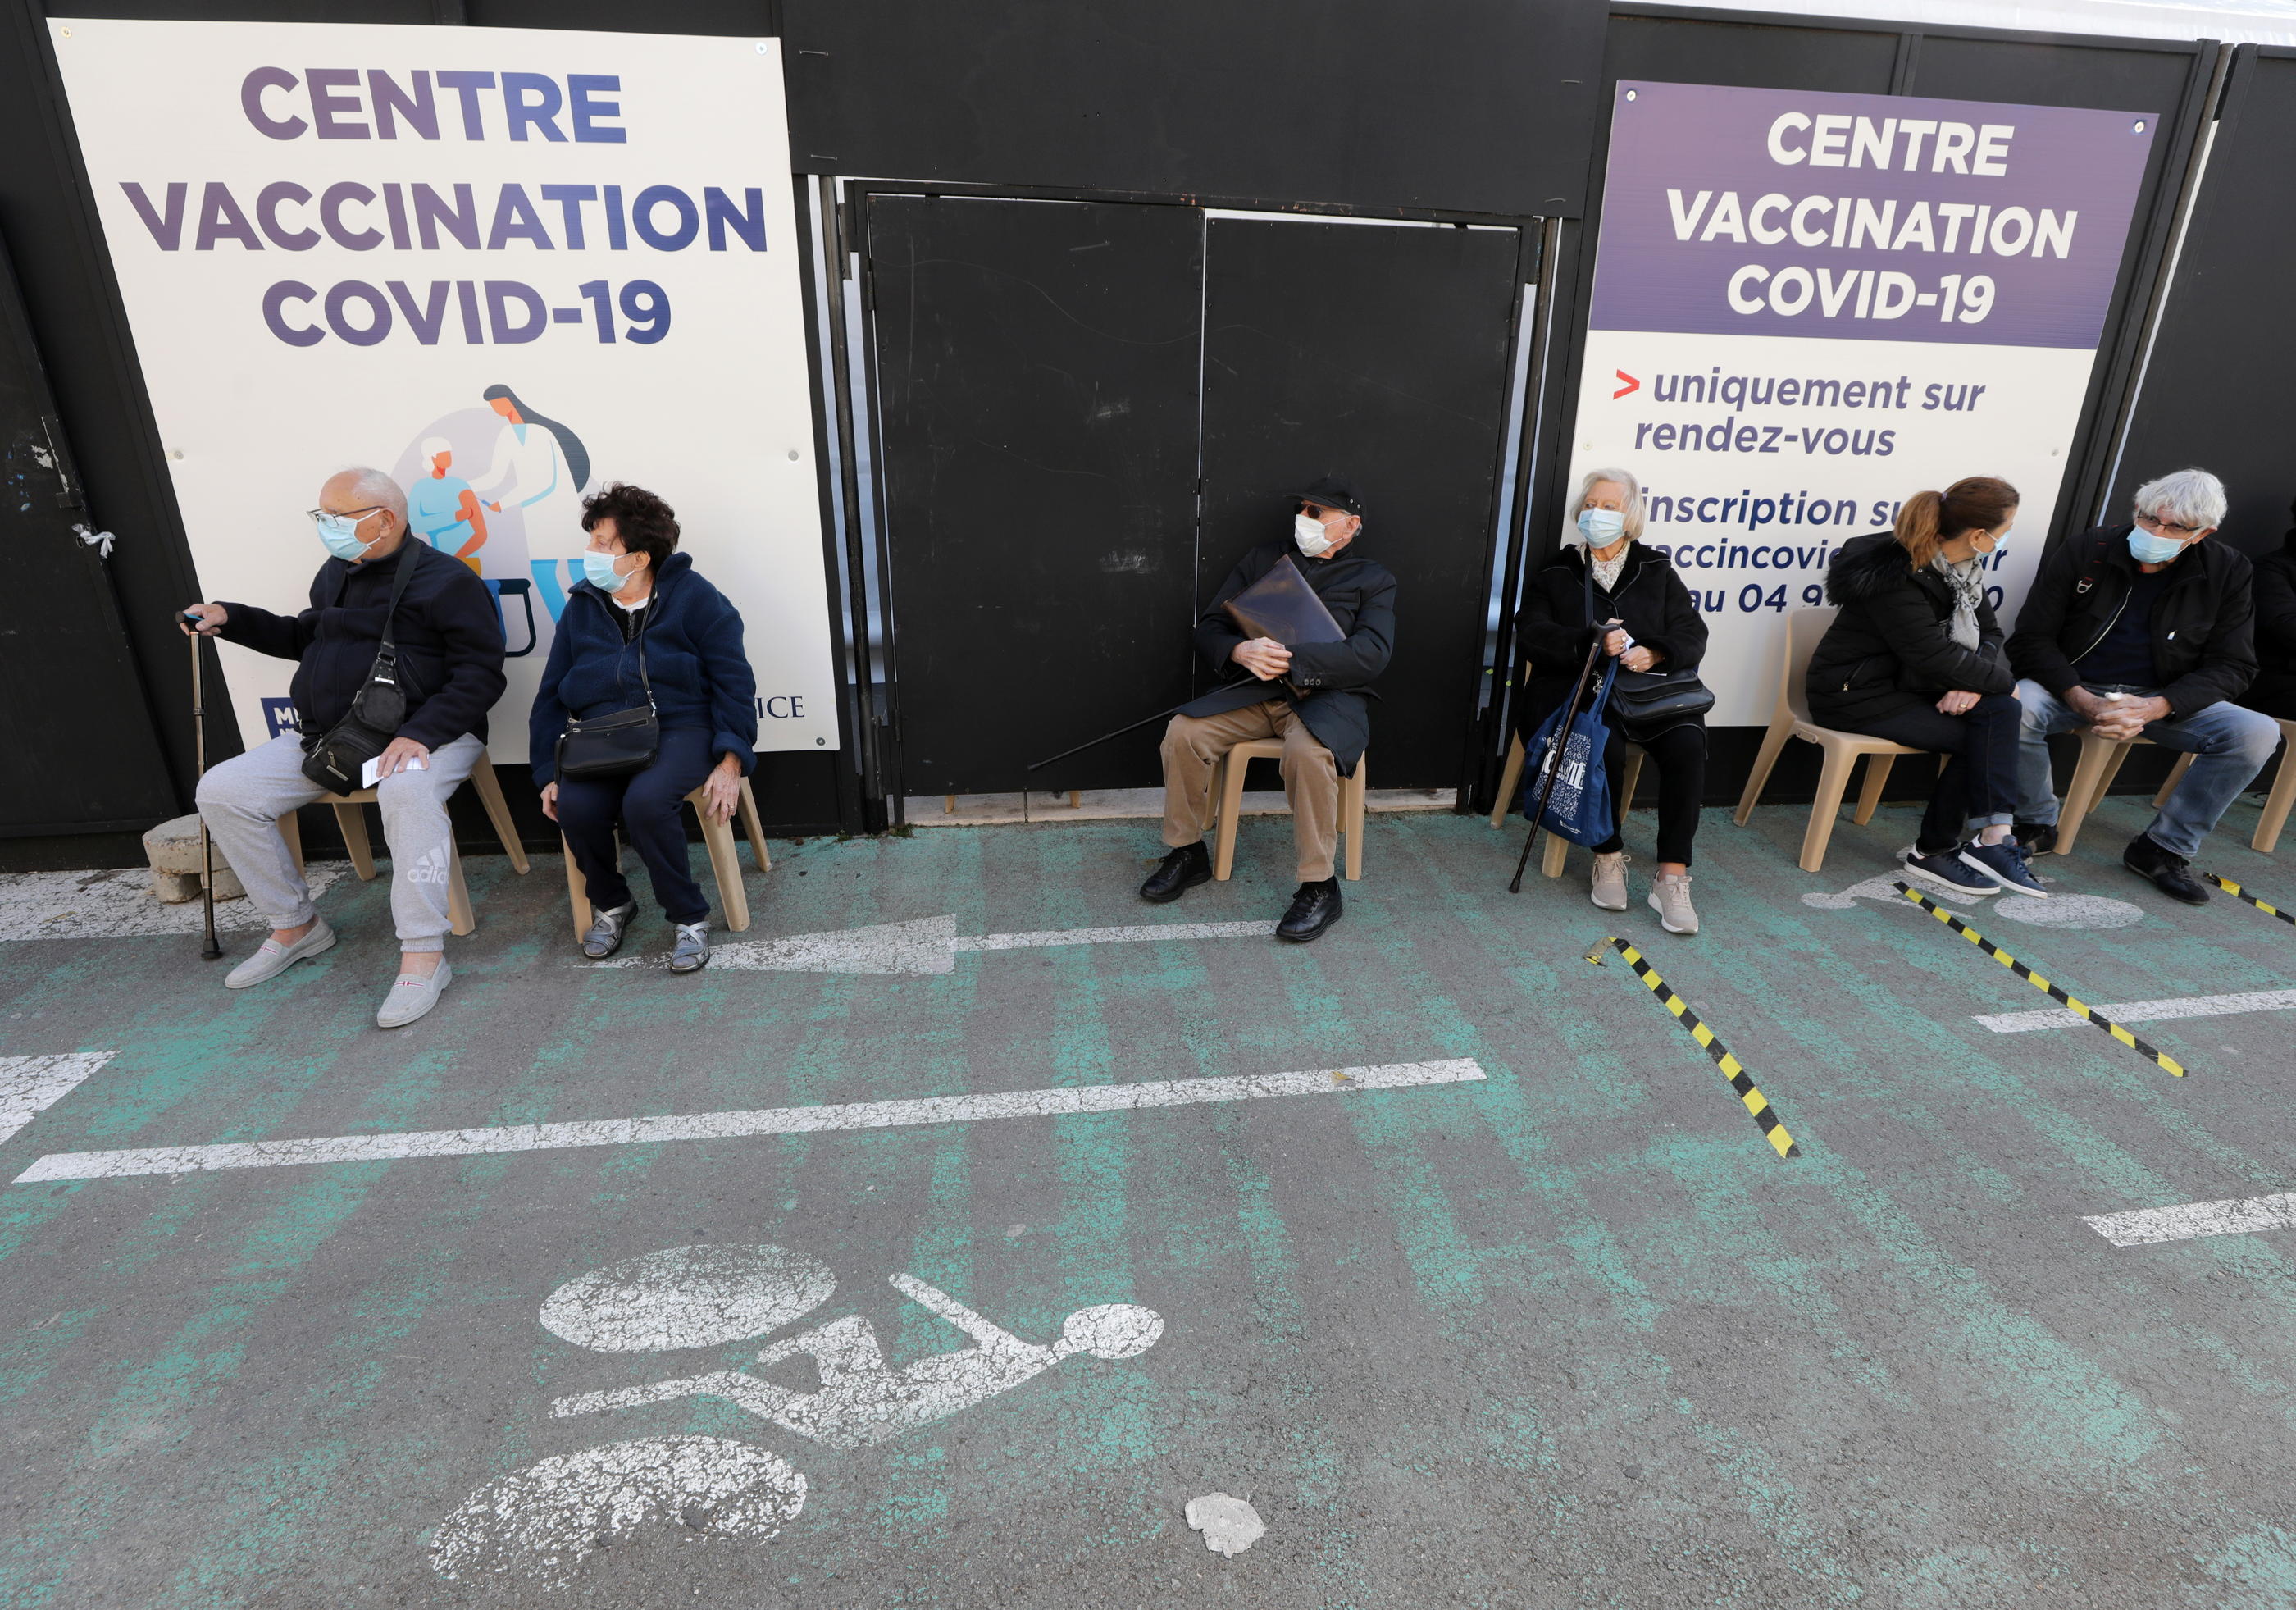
<point x="646" y="805"/>
<point x="1679" y="753"/>
<point x="1979" y="779"/>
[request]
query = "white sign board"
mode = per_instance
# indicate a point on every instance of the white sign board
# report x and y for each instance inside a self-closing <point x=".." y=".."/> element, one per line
<point x="1808" y="306"/>
<point x="507" y="266"/>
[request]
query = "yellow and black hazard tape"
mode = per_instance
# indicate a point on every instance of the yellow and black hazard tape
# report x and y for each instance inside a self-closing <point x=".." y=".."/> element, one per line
<point x="1740" y="1080"/>
<point x="2238" y="893"/>
<point x="2088" y="1014"/>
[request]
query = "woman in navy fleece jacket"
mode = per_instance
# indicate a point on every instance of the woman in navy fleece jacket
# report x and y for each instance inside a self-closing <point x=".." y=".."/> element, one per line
<point x="702" y="689"/>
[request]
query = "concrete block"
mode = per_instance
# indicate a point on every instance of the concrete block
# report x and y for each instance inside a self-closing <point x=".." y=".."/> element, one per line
<point x="172" y="848"/>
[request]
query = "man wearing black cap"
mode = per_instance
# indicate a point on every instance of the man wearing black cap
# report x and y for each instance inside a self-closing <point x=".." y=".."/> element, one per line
<point x="1306" y="694"/>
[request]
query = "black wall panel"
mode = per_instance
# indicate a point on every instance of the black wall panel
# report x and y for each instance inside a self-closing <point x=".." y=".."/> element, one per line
<point x="2217" y="388"/>
<point x="1380" y="354"/>
<point x="1036" y="375"/>
<point x="1470" y="105"/>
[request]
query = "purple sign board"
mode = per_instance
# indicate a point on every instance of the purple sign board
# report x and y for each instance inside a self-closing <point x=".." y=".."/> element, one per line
<point x="1732" y="211"/>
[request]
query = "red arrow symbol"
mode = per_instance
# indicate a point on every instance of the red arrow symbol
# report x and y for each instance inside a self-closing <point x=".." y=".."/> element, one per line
<point x="1632" y="385"/>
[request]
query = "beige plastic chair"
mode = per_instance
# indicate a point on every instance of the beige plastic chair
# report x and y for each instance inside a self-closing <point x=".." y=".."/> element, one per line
<point x="351" y="819"/>
<point x="725" y="864"/>
<point x="1227" y="800"/>
<point x="1558" y="849"/>
<point x="2099" y="764"/>
<point x="2277" y="803"/>
<point x="1790" y="719"/>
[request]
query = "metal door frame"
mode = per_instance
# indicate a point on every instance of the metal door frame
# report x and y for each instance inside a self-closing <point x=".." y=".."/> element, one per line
<point x="870" y="619"/>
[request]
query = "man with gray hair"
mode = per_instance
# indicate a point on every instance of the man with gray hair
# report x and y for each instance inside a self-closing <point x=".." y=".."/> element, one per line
<point x="449" y="668"/>
<point x="2145" y="631"/>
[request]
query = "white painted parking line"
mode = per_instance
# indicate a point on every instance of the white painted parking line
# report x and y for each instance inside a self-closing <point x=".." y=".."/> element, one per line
<point x="2146" y="1011"/>
<point x="2234" y="1216"/>
<point x="926" y="945"/>
<point x="30" y="1085"/>
<point x="770" y="1121"/>
<point x="118" y="904"/>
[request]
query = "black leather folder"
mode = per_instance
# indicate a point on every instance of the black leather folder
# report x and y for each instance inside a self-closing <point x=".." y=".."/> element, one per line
<point x="1282" y="606"/>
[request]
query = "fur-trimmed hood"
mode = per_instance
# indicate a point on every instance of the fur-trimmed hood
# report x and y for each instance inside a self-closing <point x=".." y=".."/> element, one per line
<point x="1869" y="566"/>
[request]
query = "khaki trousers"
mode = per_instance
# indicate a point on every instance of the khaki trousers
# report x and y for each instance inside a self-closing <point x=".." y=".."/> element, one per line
<point x="1194" y="745"/>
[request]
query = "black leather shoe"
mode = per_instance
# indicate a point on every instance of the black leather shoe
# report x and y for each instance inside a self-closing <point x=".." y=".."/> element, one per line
<point x="1315" y="908"/>
<point x="2037" y="839"/>
<point x="2165" y="870"/>
<point x="1183" y="870"/>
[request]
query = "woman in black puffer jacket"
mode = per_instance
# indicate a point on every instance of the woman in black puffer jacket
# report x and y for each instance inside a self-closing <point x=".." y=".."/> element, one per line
<point x="1915" y="656"/>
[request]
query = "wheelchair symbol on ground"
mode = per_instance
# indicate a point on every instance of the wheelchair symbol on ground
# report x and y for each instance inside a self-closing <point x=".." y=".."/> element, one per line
<point x="543" y="1520"/>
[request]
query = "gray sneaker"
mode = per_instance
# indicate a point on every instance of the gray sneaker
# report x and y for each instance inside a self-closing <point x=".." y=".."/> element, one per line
<point x="274" y="958"/>
<point x="411" y="998"/>
<point x="693" y="952"/>
<point x="1609" y="887"/>
<point x="605" y="935"/>
<point x="1670" y="897"/>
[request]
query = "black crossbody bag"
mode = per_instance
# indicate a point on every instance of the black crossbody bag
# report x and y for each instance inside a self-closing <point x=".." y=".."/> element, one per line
<point x="336" y="759"/>
<point x="1647" y="702"/>
<point x="620" y="742"/>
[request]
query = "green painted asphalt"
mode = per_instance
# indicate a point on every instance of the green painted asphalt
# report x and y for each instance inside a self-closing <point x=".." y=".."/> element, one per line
<point x="1570" y="1337"/>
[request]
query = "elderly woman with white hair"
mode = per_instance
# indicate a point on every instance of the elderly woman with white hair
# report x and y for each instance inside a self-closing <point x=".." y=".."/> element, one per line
<point x="421" y="730"/>
<point x="2145" y="629"/>
<point x="1603" y="575"/>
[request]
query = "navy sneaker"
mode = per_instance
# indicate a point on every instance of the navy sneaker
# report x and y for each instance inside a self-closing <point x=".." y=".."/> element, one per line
<point x="1948" y="870"/>
<point x="2008" y="862"/>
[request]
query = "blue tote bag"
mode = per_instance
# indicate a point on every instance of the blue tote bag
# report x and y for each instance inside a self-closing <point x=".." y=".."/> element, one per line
<point x="1579" y="807"/>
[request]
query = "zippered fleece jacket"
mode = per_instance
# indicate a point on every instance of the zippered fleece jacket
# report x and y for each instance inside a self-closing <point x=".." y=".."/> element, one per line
<point x="694" y="662"/>
<point x="2203" y="627"/>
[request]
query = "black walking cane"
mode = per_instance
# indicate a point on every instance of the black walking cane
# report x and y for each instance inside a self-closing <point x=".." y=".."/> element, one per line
<point x="1561" y="741"/>
<point x="208" y="946"/>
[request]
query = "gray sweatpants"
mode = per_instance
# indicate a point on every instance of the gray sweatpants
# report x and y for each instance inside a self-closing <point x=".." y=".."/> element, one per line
<point x="243" y="798"/>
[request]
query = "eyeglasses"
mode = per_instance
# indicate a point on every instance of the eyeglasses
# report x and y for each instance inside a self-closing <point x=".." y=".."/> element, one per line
<point x="318" y="514"/>
<point x="2170" y="528"/>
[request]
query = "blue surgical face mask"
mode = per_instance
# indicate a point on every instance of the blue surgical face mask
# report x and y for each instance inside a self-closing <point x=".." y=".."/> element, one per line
<point x="598" y="570"/>
<point x="339" y="532"/>
<point x="1601" y="527"/>
<point x="2146" y="548"/>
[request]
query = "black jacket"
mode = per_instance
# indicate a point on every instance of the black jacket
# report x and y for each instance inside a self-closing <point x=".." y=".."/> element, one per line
<point x="1552" y="630"/>
<point x="2273" y="690"/>
<point x="1891" y="647"/>
<point x="1360" y="594"/>
<point x="449" y="635"/>
<point x="2203" y="628"/>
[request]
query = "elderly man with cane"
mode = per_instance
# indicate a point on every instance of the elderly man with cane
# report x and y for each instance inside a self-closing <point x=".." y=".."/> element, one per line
<point x="401" y="657"/>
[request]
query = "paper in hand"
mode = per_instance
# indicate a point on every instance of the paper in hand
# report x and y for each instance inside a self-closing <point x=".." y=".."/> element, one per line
<point x="368" y="772"/>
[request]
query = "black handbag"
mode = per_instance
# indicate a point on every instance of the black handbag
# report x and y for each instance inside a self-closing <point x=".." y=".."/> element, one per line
<point x="1647" y="702"/>
<point x="620" y="742"/>
<point x="336" y="759"/>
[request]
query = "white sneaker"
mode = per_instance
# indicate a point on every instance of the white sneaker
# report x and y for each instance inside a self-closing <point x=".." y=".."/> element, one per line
<point x="1670" y="897"/>
<point x="1609" y="885"/>
<point x="274" y="958"/>
<point x="412" y="997"/>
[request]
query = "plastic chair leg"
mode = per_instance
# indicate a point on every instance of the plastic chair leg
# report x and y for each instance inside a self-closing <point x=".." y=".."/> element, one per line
<point x="291" y="829"/>
<point x="1774" y="744"/>
<point x="1630" y="780"/>
<point x="1877" y="778"/>
<point x="1228" y="781"/>
<point x="352" y="820"/>
<point x="1556" y="856"/>
<point x="577" y="892"/>
<point x="1833" y="783"/>
<point x="490" y="795"/>
<point x="1510" y="779"/>
<point x="2176" y="775"/>
<point x="755" y="828"/>
<point x="2282" y="795"/>
<point x="1351" y="816"/>
<point x="460" y="916"/>
<point x="726" y="861"/>
<point x="2087" y="786"/>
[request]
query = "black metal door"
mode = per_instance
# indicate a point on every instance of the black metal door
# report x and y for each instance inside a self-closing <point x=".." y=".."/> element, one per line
<point x="1378" y="354"/>
<point x="81" y="754"/>
<point x="1036" y="369"/>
